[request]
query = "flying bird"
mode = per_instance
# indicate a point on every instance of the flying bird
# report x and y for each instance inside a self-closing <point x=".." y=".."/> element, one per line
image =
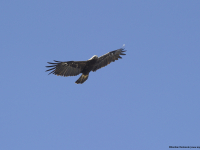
<point x="73" y="68"/>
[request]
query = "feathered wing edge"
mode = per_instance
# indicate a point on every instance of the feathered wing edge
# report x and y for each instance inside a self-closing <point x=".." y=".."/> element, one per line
<point x="53" y="66"/>
<point x="69" y="68"/>
<point x="106" y="59"/>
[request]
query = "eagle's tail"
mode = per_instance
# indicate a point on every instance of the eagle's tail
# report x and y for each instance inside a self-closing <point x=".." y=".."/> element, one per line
<point x="82" y="78"/>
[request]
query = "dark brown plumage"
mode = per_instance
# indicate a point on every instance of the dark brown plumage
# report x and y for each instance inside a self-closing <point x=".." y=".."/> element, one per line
<point x="73" y="68"/>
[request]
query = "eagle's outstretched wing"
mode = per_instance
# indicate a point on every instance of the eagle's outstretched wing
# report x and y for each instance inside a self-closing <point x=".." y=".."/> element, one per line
<point x="68" y="68"/>
<point x="108" y="58"/>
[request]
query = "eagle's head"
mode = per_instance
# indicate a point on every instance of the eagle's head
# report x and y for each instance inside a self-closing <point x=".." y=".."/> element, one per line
<point x="93" y="57"/>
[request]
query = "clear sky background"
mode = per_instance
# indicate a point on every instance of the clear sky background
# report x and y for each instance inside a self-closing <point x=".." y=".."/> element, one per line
<point x="150" y="99"/>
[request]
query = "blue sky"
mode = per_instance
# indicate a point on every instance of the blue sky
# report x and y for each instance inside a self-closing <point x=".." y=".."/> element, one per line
<point x="150" y="99"/>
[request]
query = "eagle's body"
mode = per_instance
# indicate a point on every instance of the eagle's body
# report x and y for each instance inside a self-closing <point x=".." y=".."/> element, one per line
<point x="90" y="65"/>
<point x="73" y="68"/>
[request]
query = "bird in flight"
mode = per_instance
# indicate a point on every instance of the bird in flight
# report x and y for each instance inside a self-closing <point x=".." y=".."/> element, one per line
<point x="74" y="68"/>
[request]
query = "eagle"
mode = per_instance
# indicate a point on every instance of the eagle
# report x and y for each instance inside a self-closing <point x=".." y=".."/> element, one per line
<point x="74" y="68"/>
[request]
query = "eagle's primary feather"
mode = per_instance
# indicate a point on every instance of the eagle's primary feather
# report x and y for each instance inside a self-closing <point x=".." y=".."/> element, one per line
<point x="73" y="68"/>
